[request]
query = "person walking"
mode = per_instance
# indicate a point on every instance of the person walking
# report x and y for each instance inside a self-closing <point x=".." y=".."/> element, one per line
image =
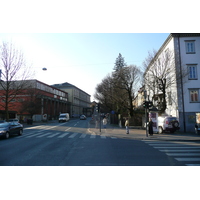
<point x="150" y="127"/>
<point x="104" y="122"/>
<point x="127" y="126"/>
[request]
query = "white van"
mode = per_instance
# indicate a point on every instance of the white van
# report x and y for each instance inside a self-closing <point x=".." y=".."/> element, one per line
<point x="64" y="117"/>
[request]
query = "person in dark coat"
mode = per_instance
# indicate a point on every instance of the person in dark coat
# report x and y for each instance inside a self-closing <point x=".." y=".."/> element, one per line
<point x="150" y="127"/>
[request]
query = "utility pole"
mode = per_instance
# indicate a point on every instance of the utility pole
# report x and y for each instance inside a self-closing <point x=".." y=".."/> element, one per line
<point x="98" y="111"/>
<point x="145" y="107"/>
<point x="147" y="104"/>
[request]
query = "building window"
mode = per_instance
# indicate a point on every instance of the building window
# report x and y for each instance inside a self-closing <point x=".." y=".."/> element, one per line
<point x="194" y="96"/>
<point x="192" y="71"/>
<point x="190" y="46"/>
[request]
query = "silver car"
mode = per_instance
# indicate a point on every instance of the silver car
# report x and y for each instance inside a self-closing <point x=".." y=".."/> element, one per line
<point x="168" y="124"/>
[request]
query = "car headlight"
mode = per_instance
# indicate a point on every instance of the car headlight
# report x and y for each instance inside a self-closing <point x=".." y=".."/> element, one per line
<point x="3" y="131"/>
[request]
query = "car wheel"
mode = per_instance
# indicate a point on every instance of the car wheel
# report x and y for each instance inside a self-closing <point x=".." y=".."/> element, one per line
<point x="7" y="135"/>
<point x="160" y="130"/>
<point x="20" y="132"/>
<point x="176" y="124"/>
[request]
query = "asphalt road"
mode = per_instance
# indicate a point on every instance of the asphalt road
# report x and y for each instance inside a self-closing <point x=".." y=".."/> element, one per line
<point x="71" y="144"/>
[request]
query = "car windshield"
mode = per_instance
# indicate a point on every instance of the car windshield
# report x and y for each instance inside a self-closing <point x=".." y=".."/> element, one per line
<point x="172" y="119"/>
<point x="4" y="125"/>
<point x="62" y="115"/>
<point x="13" y="120"/>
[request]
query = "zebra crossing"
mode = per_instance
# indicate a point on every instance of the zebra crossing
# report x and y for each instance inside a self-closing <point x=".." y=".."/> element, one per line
<point x="186" y="152"/>
<point x="62" y="134"/>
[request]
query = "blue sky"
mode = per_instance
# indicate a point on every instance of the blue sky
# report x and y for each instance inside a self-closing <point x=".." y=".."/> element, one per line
<point x="82" y="59"/>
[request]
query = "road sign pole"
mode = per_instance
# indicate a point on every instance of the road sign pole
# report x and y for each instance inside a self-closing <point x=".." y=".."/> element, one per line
<point x="146" y="122"/>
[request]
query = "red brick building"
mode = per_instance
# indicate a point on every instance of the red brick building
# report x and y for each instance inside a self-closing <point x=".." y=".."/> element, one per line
<point x="38" y="101"/>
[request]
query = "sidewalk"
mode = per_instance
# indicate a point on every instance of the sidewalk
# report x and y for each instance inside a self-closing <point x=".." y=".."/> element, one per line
<point x="140" y="134"/>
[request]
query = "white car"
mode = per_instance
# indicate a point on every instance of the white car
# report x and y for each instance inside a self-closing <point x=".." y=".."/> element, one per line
<point x="82" y="117"/>
<point x="168" y="123"/>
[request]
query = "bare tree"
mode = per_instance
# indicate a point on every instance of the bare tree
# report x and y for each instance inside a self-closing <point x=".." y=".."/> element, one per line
<point x="128" y="80"/>
<point x="32" y="103"/>
<point x="148" y="59"/>
<point x="160" y="76"/>
<point x="105" y="93"/>
<point x="117" y="91"/>
<point x="14" y="73"/>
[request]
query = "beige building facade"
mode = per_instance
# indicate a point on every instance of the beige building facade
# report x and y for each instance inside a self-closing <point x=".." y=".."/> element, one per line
<point x="79" y="100"/>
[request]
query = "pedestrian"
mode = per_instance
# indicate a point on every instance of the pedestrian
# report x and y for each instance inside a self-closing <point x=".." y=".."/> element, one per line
<point x="150" y="127"/>
<point x="127" y="126"/>
<point x="104" y="122"/>
<point x="97" y="123"/>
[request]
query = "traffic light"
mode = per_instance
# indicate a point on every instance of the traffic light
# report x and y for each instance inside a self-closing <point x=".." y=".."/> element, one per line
<point x="150" y="104"/>
<point x="147" y="104"/>
<point x="97" y="107"/>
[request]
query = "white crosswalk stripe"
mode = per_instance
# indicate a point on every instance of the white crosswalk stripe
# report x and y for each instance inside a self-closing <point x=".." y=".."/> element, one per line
<point x="33" y="135"/>
<point x="93" y="136"/>
<point x="53" y="135"/>
<point x="70" y="135"/>
<point x="63" y="135"/>
<point x="43" y="135"/>
<point x="73" y="135"/>
<point x="187" y="152"/>
<point x="83" y="135"/>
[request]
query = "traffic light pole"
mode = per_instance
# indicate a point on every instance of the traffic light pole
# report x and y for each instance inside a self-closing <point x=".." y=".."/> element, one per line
<point x="99" y="113"/>
<point x="100" y="122"/>
<point x="147" y="120"/>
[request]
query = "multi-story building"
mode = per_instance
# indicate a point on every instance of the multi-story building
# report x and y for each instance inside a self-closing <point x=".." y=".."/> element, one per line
<point x="37" y="100"/>
<point x="80" y="100"/>
<point x="183" y="93"/>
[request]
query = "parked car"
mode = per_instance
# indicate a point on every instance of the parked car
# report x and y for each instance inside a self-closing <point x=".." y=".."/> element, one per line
<point x="2" y="121"/>
<point x="13" y="120"/>
<point x="82" y="117"/>
<point x="10" y="128"/>
<point x="168" y="123"/>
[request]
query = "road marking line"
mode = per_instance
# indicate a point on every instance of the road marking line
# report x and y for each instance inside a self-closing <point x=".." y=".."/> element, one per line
<point x="43" y="135"/>
<point x="83" y="135"/>
<point x="33" y="135"/>
<point x="63" y="135"/>
<point x="68" y="129"/>
<point x="188" y="159"/>
<point x="103" y="137"/>
<point x="183" y="154"/>
<point x="170" y="145"/>
<point x="73" y="135"/>
<point x="113" y="137"/>
<point x="182" y="150"/>
<point x="93" y="136"/>
<point x="34" y="127"/>
<point x="177" y="147"/>
<point x="26" y="134"/>
<point x="53" y="135"/>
